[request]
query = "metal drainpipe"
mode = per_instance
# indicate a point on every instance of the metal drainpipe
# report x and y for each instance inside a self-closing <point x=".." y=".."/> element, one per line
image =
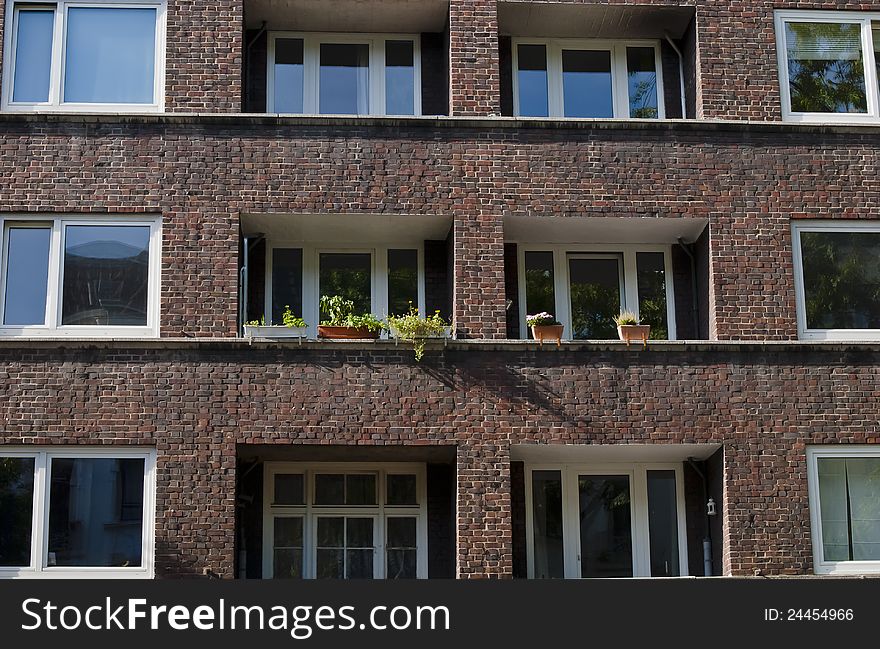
<point x="680" y="72"/>
<point x="695" y="312"/>
<point x="707" y="541"/>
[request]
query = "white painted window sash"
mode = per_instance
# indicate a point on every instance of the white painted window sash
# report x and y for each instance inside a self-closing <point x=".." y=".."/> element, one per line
<point x="865" y="20"/>
<point x="312" y="42"/>
<point x="629" y="278"/>
<point x="56" y="75"/>
<point x="619" y="72"/>
<point x="39" y="567"/>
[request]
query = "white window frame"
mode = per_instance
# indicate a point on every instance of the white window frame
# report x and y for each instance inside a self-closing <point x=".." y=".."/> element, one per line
<point x="310" y="512"/>
<point x="871" y="85"/>
<point x="56" y="101"/>
<point x="312" y="42"/>
<point x="619" y="75"/>
<point x="797" y="228"/>
<point x="561" y="280"/>
<point x="638" y="477"/>
<point x="311" y="254"/>
<point x="52" y="326"/>
<point x="39" y="568"/>
<point x="820" y="565"/>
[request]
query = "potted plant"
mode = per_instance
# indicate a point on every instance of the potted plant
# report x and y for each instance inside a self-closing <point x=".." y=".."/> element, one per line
<point x="417" y="330"/>
<point x="343" y="324"/>
<point x="629" y="328"/>
<point x="545" y="327"/>
<point x="292" y="327"/>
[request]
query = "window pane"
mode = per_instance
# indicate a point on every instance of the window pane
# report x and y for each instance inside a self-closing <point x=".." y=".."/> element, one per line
<point x="344" y="79"/>
<point x="641" y="68"/>
<point x="33" y="55"/>
<point x="286" y="282"/>
<point x="595" y="297"/>
<point x="87" y="526"/>
<point x="663" y="524"/>
<point x="359" y="533"/>
<point x="348" y="275"/>
<point x="27" y="276"/>
<point x="403" y="281"/>
<point x="826" y="70"/>
<point x="586" y="83"/>
<point x="849" y="493"/>
<point x="110" y="55"/>
<point x="401" y="564"/>
<point x="401" y="489"/>
<point x="288" y="532"/>
<point x="841" y="279"/>
<point x="287" y="563"/>
<point x="289" y="489"/>
<point x="605" y="526"/>
<point x="288" y="75"/>
<point x="331" y="532"/>
<point x="106" y="270"/>
<point x="331" y="564"/>
<point x="540" y="287"/>
<point x="652" y="293"/>
<point x="547" y="515"/>
<point x="329" y="489"/>
<point x="400" y="79"/>
<point x="16" y="510"/>
<point x="532" y="80"/>
<point x="401" y="532"/>
<point x="360" y="564"/>
<point x="360" y="489"/>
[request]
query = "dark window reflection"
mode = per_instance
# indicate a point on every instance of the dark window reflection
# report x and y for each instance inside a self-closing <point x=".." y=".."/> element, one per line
<point x="106" y="271"/>
<point x="651" y="269"/>
<point x="288" y="75"/>
<point x="400" y="78"/>
<point x="286" y="282"/>
<point x="400" y="542"/>
<point x="16" y="510"/>
<point x="595" y="297"/>
<point x="348" y="275"/>
<point x="540" y="287"/>
<point x="586" y="83"/>
<point x="641" y="69"/>
<point x="841" y="279"/>
<point x="27" y="275"/>
<point x="403" y="281"/>
<point x="344" y="79"/>
<point x="93" y="512"/>
<point x="532" y="81"/>
<point x="663" y="524"/>
<point x="605" y="526"/>
<point x="547" y="514"/>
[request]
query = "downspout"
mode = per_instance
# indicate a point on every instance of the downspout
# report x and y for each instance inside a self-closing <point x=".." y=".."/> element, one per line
<point x="680" y="72"/>
<point x="695" y="312"/>
<point x="707" y="540"/>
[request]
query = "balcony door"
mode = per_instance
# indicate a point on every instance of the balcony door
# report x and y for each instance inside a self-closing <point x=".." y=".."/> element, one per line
<point x="596" y="294"/>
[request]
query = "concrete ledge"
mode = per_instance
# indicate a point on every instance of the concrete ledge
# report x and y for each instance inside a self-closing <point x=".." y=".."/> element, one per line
<point x="245" y="120"/>
<point x="390" y="346"/>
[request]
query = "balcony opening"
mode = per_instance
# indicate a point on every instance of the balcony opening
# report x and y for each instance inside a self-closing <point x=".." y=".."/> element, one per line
<point x="388" y="58"/>
<point x="593" y="511"/>
<point x="585" y="271"/>
<point x="596" y="61"/>
<point x="384" y="264"/>
<point x="343" y="512"/>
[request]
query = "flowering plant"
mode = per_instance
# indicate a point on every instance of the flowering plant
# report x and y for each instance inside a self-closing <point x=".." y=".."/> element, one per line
<point x="625" y="318"/>
<point x="542" y="319"/>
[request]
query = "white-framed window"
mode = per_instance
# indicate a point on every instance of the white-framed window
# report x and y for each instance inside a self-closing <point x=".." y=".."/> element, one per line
<point x="344" y="521"/>
<point x="844" y="487"/>
<point x="383" y="280"/>
<point x="79" y="276"/>
<point x="585" y="286"/>
<point x="344" y="74"/>
<point x="837" y="279"/>
<point x="89" y="55"/>
<point x="77" y="512"/>
<point x="587" y="78"/>
<point x="828" y="65"/>
<point x="605" y="520"/>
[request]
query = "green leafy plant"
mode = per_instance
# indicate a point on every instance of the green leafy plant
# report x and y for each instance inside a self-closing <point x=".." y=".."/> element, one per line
<point x="340" y="313"/>
<point x="287" y="320"/>
<point x="415" y="329"/>
<point x="626" y="318"/>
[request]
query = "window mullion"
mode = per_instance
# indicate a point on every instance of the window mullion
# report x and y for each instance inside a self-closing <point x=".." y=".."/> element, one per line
<point x="56" y="267"/>
<point x="376" y="67"/>
<point x="619" y="85"/>
<point x="40" y="503"/>
<point x="56" y="69"/>
<point x="871" y="81"/>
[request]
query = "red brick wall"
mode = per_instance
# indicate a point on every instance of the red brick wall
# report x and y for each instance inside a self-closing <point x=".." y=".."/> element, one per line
<point x="196" y="401"/>
<point x="473" y="58"/>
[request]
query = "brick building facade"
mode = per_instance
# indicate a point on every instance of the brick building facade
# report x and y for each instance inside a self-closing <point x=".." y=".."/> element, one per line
<point x="706" y="452"/>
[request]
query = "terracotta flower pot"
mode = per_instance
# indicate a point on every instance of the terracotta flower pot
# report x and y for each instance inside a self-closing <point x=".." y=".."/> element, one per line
<point x="346" y="333"/>
<point x="629" y="333"/>
<point x="552" y="333"/>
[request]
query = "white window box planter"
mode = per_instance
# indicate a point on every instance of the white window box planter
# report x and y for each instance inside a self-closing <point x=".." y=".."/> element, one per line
<point x="274" y="331"/>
